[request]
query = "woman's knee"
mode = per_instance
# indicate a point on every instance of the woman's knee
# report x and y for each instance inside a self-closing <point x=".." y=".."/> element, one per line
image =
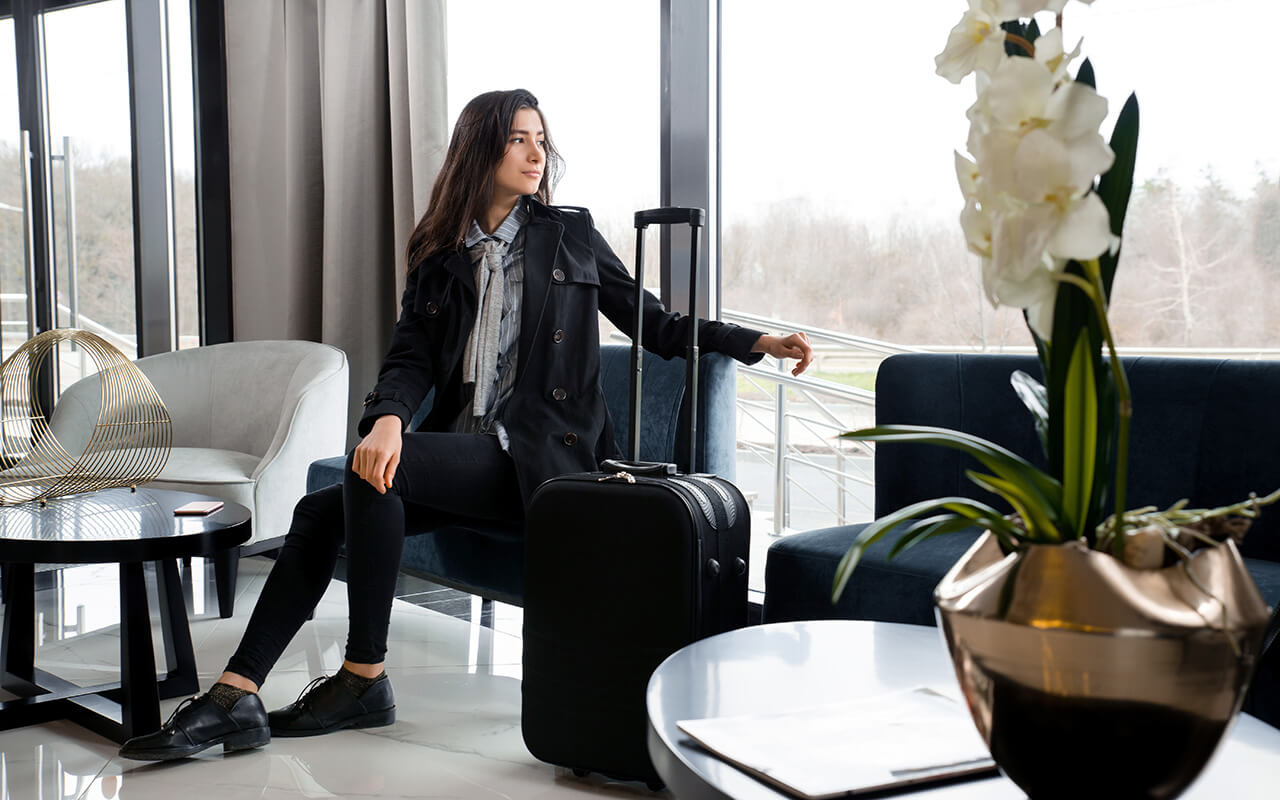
<point x="351" y="480"/>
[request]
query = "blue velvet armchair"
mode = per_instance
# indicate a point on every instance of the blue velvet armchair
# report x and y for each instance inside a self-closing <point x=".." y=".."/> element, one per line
<point x="487" y="559"/>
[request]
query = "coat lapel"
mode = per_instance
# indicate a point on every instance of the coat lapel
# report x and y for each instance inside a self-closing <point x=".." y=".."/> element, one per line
<point x="541" y="244"/>
<point x="459" y="264"/>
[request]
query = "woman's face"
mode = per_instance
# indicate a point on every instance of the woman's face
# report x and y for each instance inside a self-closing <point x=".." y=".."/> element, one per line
<point x="520" y="170"/>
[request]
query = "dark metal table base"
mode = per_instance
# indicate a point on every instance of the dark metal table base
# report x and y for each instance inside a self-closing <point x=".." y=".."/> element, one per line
<point x="117" y="711"/>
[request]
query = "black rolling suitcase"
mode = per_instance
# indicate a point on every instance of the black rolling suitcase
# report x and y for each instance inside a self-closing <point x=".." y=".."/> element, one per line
<point x="622" y="568"/>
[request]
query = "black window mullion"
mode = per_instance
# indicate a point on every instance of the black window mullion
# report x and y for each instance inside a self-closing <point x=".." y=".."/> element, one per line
<point x="28" y="48"/>
<point x="213" y="174"/>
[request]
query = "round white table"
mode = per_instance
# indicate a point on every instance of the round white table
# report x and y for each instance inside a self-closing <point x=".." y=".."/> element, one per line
<point x="792" y="665"/>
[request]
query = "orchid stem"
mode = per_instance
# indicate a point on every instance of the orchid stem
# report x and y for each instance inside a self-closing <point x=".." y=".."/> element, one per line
<point x="1020" y="41"/>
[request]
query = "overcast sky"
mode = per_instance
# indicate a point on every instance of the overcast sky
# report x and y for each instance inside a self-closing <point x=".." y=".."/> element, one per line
<point x="831" y="101"/>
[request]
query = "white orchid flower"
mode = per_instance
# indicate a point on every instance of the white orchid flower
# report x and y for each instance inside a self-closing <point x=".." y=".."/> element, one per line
<point x="1021" y="9"/>
<point x="977" y="229"/>
<point x="975" y="43"/>
<point x="1028" y="215"/>
<point x="1049" y="51"/>
<point x="966" y="176"/>
<point x="1075" y="112"/>
<point x="1021" y="99"/>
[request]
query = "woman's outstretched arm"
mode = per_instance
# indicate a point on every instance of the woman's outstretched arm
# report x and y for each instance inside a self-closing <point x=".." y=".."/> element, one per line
<point x="667" y="334"/>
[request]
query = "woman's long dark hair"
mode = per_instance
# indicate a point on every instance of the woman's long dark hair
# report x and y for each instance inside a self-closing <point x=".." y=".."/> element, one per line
<point x="464" y="188"/>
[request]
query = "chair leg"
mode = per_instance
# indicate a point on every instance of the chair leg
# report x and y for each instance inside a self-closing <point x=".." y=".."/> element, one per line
<point x="226" y="565"/>
<point x="486" y="613"/>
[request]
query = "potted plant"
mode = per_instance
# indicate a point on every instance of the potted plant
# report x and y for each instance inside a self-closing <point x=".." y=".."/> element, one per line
<point x="1076" y="625"/>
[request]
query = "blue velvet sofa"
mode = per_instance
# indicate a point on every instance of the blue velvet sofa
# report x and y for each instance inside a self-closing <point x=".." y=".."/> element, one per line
<point x="1203" y="429"/>
<point x="487" y="559"/>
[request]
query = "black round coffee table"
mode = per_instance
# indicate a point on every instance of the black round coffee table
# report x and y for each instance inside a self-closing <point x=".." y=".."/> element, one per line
<point x="111" y="526"/>
<point x="792" y="665"/>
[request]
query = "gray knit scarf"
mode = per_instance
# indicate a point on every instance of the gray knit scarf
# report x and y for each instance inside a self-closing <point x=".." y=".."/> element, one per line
<point x="480" y="359"/>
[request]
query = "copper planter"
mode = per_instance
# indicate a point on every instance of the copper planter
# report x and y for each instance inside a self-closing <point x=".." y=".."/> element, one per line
<point x="1090" y="679"/>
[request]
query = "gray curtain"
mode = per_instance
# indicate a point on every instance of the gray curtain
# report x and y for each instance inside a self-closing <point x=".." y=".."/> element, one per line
<point x="337" y="123"/>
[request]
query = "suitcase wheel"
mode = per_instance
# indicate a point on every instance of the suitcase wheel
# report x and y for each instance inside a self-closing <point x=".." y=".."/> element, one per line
<point x="580" y="773"/>
<point x="739" y="567"/>
<point x="712" y="568"/>
<point x="655" y="786"/>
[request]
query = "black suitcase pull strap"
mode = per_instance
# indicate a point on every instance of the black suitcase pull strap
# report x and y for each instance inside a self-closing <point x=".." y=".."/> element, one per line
<point x="693" y="217"/>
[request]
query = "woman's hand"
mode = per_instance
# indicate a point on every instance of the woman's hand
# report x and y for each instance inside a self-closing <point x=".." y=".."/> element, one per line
<point x="795" y="345"/>
<point x="378" y="454"/>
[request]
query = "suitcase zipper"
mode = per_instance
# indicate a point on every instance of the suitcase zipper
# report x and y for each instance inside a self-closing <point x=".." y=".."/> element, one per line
<point x="704" y="502"/>
<point x="621" y="475"/>
<point x="730" y="506"/>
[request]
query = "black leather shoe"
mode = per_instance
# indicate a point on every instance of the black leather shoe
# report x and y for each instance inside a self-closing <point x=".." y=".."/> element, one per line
<point x="328" y="705"/>
<point x="198" y="724"/>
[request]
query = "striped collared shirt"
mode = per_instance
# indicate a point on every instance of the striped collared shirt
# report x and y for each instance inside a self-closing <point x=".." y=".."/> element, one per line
<point x="511" y="231"/>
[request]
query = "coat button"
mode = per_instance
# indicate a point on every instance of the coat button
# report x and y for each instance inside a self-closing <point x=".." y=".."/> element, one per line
<point x="558" y="336"/>
<point x="571" y="439"/>
<point x="557" y="275"/>
<point x="559" y="393"/>
<point x="432" y="308"/>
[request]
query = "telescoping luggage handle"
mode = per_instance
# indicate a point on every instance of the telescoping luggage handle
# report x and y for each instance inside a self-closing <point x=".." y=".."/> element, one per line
<point x="693" y="217"/>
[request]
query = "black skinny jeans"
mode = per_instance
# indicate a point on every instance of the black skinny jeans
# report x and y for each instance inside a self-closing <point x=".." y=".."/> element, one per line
<point x="440" y="475"/>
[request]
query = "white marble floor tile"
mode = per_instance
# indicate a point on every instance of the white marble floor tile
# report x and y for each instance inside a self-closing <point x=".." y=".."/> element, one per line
<point x="457" y="733"/>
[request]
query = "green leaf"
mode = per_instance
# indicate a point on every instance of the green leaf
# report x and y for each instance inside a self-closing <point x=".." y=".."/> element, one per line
<point x="1039" y="520"/>
<point x="1033" y="395"/>
<point x="1006" y="464"/>
<point x="1073" y="312"/>
<point x="1079" y="434"/>
<point x="1033" y="31"/>
<point x="989" y="518"/>
<point x="874" y="531"/>
<point x="1108" y="417"/>
<point x="1115" y="187"/>
<point x="1085" y="74"/>
<point x="929" y="528"/>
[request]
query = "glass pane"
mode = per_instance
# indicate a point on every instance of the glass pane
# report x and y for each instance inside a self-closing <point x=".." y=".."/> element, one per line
<point x="13" y="282"/>
<point x="604" y="121"/>
<point x="87" y="83"/>
<point x="841" y="209"/>
<point x="183" y="142"/>
<point x="1201" y="261"/>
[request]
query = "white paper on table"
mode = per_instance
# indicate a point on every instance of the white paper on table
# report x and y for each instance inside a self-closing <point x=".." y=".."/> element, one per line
<point x="849" y="747"/>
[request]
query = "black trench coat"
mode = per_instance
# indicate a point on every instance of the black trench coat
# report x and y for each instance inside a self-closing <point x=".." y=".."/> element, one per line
<point x="556" y="417"/>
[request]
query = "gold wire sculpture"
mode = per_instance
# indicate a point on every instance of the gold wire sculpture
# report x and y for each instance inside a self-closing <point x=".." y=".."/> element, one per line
<point x="128" y="446"/>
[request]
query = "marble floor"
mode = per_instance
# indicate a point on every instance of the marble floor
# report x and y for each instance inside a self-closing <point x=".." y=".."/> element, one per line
<point x="457" y="685"/>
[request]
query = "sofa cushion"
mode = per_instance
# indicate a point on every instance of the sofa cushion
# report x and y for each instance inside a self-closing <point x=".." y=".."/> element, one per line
<point x="224" y="474"/>
<point x="1202" y="430"/>
<point x="801" y="568"/>
<point x="325" y="472"/>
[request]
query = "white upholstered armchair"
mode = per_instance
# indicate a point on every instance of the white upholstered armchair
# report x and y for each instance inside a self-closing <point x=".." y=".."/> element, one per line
<point x="248" y="419"/>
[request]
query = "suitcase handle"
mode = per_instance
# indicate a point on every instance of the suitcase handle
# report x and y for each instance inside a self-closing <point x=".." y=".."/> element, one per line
<point x="671" y="215"/>
<point x="642" y="468"/>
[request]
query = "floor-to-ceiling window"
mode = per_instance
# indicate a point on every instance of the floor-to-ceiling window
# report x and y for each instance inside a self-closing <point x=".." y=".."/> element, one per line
<point x="840" y="207"/>
<point x="71" y="145"/>
<point x="594" y="68"/>
<point x="71" y="98"/>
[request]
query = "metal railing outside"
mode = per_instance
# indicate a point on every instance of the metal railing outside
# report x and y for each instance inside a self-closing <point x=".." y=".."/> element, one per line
<point x="789" y="453"/>
<point x="790" y="425"/>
